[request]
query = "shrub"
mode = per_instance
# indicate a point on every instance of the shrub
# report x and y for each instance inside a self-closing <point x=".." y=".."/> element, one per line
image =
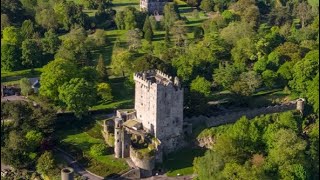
<point x="98" y="150"/>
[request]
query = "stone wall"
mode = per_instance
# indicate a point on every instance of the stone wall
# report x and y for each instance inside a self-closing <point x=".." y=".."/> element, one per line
<point x="133" y="174"/>
<point x="234" y="116"/>
<point x="144" y="163"/>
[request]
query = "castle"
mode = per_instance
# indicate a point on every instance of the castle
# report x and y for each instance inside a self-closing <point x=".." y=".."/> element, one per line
<point x="152" y="6"/>
<point x="155" y="126"/>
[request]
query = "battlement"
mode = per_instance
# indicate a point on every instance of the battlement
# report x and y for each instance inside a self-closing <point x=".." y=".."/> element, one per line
<point x="155" y="77"/>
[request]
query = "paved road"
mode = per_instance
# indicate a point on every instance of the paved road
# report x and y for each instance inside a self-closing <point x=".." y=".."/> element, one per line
<point x="14" y="98"/>
<point x="3" y="166"/>
<point x="164" y="177"/>
<point x="77" y="167"/>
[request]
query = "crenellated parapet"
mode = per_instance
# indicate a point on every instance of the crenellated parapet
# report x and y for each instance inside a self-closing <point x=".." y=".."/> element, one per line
<point x="156" y="78"/>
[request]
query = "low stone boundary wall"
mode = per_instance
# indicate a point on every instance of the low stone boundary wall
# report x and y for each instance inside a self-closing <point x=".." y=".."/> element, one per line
<point x="234" y="116"/>
<point x="133" y="174"/>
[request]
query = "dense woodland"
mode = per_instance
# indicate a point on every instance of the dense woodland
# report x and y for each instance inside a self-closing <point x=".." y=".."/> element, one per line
<point x="243" y="46"/>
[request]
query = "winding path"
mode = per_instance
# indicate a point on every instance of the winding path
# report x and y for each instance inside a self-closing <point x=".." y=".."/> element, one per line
<point x="77" y="166"/>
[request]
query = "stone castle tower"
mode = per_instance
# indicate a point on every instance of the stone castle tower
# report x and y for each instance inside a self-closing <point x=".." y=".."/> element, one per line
<point x="159" y="106"/>
<point x="152" y="6"/>
<point x="154" y="125"/>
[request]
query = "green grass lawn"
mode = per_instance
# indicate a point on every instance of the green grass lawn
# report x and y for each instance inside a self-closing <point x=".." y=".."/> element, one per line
<point x="78" y="139"/>
<point x="180" y="162"/>
<point x="10" y="78"/>
<point x="119" y="5"/>
<point x="122" y="94"/>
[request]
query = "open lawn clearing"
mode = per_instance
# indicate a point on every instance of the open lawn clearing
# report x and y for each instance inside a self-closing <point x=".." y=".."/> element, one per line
<point x="119" y="5"/>
<point x="77" y="140"/>
<point x="180" y="162"/>
<point x="122" y="96"/>
<point x="14" y="76"/>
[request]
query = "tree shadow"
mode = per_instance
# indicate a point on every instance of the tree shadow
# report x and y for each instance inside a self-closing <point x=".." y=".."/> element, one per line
<point x="124" y="4"/>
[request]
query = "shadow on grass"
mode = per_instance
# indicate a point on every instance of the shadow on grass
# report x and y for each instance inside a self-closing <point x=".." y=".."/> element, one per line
<point x="182" y="159"/>
<point x="158" y="37"/>
<point x="195" y="22"/>
<point x="124" y="4"/>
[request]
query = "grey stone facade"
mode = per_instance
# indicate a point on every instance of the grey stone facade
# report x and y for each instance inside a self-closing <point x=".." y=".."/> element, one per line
<point x="152" y="6"/>
<point x="159" y="107"/>
<point x="156" y="120"/>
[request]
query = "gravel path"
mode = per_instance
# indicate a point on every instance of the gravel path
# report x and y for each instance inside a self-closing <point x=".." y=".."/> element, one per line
<point x="77" y="167"/>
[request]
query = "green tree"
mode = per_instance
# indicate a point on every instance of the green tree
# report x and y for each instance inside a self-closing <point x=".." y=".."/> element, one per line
<point x="210" y="165"/>
<point x="170" y="15"/>
<point x="31" y="53"/>
<point x="99" y="37"/>
<point x="105" y="92"/>
<point x="313" y="93"/>
<point x="90" y="74"/>
<point x="207" y="5"/>
<point x="121" y="62"/>
<point x="119" y="20"/>
<point x="247" y="83"/>
<point x="287" y="147"/>
<point x="130" y="19"/>
<point x="25" y="86"/>
<point x="247" y="10"/>
<point x="45" y="163"/>
<point x="10" y="57"/>
<point x="304" y="71"/>
<point x="269" y="78"/>
<point x="303" y="11"/>
<point x="78" y="95"/>
<point x="34" y="139"/>
<point x="98" y="150"/>
<point x="15" y="150"/>
<point x="27" y="29"/>
<point x="134" y="39"/>
<point x="5" y="22"/>
<point x="11" y="35"/>
<point x="51" y="42"/>
<point x="201" y="85"/>
<point x="235" y="31"/>
<point x="244" y="51"/>
<point x="101" y="69"/>
<point x="226" y="75"/>
<point x="47" y="19"/>
<point x="147" y="29"/>
<point x="14" y="10"/>
<point x="54" y="75"/>
<point x="76" y="47"/>
<point x="179" y="33"/>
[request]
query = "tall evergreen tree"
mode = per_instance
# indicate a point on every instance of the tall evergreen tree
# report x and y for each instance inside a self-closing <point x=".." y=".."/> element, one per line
<point x="147" y="29"/>
<point x="101" y="69"/>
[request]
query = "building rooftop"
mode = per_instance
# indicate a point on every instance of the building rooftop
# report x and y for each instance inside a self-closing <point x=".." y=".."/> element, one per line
<point x="133" y="124"/>
<point x="156" y="76"/>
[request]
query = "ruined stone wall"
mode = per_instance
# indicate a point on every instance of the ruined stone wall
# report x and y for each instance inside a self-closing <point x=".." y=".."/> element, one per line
<point x="232" y="117"/>
<point x="152" y="6"/>
<point x="146" y="164"/>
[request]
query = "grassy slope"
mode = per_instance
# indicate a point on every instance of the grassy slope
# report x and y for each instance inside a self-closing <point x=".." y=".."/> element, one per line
<point x="180" y="162"/>
<point x="14" y="77"/>
<point x="75" y="140"/>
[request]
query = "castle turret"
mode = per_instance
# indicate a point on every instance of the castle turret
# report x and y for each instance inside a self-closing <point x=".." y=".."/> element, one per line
<point x="300" y="105"/>
<point x="177" y="82"/>
<point x="117" y="137"/>
<point x="67" y="174"/>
